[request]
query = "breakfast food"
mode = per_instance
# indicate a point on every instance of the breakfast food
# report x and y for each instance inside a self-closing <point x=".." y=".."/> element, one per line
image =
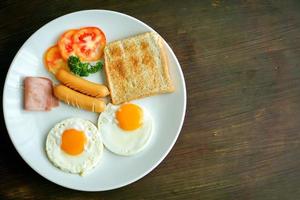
<point x="54" y="61"/>
<point x="65" y="44"/>
<point x="74" y="48"/>
<point x="125" y="129"/>
<point x="83" y="68"/>
<point x="74" y="145"/>
<point x="89" y="43"/>
<point x="84" y="44"/>
<point x="81" y="85"/>
<point x="137" y="67"/>
<point x="78" y="100"/>
<point x="38" y="94"/>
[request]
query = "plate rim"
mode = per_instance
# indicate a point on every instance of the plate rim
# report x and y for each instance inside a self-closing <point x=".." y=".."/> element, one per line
<point x="145" y="172"/>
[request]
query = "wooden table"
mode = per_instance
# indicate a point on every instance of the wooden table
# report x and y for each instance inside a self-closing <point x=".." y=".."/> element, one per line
<point x="241" y="61"/>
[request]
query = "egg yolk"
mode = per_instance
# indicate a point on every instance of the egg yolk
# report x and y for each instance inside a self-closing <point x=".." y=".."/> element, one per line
<point x="129" y="116"/>
<point x="73" y="141"/>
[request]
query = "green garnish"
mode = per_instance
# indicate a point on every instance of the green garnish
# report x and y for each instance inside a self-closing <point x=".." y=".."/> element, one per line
<point x="83" y="69"/>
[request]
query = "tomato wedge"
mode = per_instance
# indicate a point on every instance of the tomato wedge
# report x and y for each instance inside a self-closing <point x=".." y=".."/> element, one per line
<point x="89" y="43"/>
<point x="66" y="44"/>
<point x="54" y="60"/>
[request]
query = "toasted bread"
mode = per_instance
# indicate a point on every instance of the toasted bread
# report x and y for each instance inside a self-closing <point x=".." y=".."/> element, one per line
<point x="137" y="67"/>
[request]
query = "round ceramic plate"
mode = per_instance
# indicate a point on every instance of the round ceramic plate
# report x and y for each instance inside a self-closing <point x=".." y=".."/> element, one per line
<point x="28" y="130"/>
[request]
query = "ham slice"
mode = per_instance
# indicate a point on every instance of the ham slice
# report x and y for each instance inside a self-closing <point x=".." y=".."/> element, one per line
<point x="38" y="94"/>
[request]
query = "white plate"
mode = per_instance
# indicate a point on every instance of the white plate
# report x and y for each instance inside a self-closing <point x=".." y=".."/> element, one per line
<point x="28" y="130"/>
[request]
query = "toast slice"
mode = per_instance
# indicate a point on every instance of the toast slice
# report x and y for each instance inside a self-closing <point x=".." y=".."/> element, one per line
<point x="137" y="67"/>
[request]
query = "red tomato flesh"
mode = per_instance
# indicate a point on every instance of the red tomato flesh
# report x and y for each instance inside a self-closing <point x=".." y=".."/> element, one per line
<point x="66" y="43"/>
<point x="89" y="43"/>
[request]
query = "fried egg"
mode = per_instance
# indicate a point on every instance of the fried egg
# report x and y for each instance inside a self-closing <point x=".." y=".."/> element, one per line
<point x="125" y="129"/>
<point x="74" y="145"/>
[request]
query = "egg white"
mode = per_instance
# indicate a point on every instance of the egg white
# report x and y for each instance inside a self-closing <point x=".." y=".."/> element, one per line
<point x="79" y="164"/>
<point x="120" y="141"/>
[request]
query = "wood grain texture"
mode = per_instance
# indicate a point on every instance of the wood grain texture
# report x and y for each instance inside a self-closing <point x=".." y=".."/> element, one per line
<point x="241" y="62"/>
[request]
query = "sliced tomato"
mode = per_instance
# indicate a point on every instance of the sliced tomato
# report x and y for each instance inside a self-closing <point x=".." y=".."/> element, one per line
<point x="89" y="43"/>
<point x="66" y="44"/>
<point x="54" y="61"/>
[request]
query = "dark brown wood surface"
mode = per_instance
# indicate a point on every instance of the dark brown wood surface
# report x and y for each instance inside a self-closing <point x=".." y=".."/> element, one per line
<point x="241" y="136"/>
